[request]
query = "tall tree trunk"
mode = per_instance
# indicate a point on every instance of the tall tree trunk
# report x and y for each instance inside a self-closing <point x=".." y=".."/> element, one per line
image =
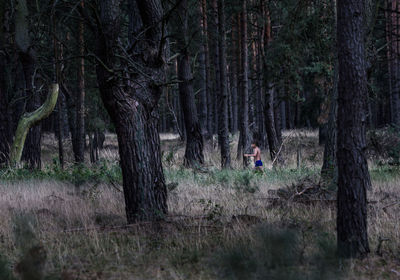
<point x="238" y="55"/>
<point x="5" y="120"/>
<point x="269" y="105"/>
<point x="329" y="166"/>
<point x="244" y="84"/>
<point x="259" y="99"/>
<point x="194" y="138"/>
<point x="389" y="53"/>
<point x="31" y="153"/>
<point x="203" y="74"/>
<point x="132" y="108"/>
<point x="234" y="73"/>
<point x="353" y="175"/>
<point x="395" y="63"/>
<point x="273" y="142"/>
<point x="208" y="70"/>
<point x="79" y="147"/>
<point x="217" y="84"/>
<point x="223" y="136"/>
<point x="57" y="75"/>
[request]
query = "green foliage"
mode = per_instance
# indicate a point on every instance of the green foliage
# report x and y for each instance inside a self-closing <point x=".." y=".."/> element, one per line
<point x="394" y="150"/>
<point x="244" y="182"/>
<point x="273" y="253"/>
<point x="103" y="172"/>
<point x="300" y="58"/>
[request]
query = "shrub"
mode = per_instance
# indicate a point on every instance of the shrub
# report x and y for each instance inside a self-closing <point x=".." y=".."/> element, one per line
<point x="244" y="182"/>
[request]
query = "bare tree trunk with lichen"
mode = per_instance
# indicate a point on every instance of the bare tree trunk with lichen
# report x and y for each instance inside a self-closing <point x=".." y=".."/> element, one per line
<point x="30" y="119"/>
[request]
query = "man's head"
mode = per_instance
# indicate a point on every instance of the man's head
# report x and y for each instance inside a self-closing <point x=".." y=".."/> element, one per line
<point x="254" y="144"/>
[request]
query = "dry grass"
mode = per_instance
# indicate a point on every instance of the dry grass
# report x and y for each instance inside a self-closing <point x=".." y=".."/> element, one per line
<point x="86" y="237"/>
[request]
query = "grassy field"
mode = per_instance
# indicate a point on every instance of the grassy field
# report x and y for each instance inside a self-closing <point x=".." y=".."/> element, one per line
<point x="221" y="224"/>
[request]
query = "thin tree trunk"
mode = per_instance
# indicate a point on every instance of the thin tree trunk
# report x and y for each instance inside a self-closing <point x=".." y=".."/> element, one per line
<point x="194" y="138"/>
<point x="79" y="150"/>
<point x="389" y="54"/>
<point x="223" y="136"/>
<point x="203" y="75"/>
<point x="238" y="55"/>
<point x="207" y="68"/>
<point x="234" y="74"/>
<point x="260" y="89"/>
<point x="217" y="84"/>
<point x="273" y="142"/>
<point x="5" y="119"/>
<point x="244" y="84"/>
<point x="329" y="167"/>
<point x="353" y="175"/>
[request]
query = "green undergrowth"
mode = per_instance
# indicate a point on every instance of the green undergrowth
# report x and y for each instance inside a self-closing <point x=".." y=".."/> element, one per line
<point x="106" y="172"/>
<point x="384" y="173"/>
<point x="102" y="172"/>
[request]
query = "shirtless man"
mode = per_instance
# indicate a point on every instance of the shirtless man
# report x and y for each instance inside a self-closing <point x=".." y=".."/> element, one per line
<point x="257" y="156"/>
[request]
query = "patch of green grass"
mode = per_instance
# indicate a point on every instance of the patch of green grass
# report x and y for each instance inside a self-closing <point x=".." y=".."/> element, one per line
<point x="103" y="172"/>
<point x="384" y="173"/>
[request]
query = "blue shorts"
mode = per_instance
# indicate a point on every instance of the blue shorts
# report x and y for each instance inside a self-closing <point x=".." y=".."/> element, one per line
<point x="258" y="163"/>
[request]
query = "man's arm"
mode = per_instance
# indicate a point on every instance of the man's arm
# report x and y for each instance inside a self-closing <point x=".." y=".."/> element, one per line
<point x="251" y="155"/>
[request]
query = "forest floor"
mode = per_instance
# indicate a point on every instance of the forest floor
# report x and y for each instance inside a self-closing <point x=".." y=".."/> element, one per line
<point x="233" y="224"/>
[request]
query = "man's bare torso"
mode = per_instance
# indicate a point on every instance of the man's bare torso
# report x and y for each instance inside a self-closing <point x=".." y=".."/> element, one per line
<point x="257" y="153"/>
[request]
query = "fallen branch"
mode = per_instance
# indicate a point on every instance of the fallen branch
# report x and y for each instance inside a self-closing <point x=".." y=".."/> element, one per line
<point x="390" y="205"/>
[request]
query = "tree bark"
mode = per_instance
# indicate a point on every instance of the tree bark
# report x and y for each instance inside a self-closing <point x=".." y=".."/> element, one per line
<point x="395" y="62"/>
<point x="203" y="70"/>
<point x="208" y="70"/>
<point x="5" y="120"/>
<point x="329" y="166"/>
<point x="353" y="175"/>
<point x="234" y="73"/>
<point x="244" y="85"/>
<point x="132" y="107"/>
<point x="30" y="119"/>
<point x="389" y="54"/>
<point x="223" y="136"/>
<point x="215" y="49"/>
<point x="273" y="142"/>
<point x="238" y="54"/>
<point x="194" y="138"/>
<point x="269" y="105"/>
<point x="79" y="146"/>
<point x="32" y="152"/>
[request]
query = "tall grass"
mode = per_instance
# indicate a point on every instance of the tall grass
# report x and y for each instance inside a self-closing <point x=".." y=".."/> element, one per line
<point x="221" y="223"/>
